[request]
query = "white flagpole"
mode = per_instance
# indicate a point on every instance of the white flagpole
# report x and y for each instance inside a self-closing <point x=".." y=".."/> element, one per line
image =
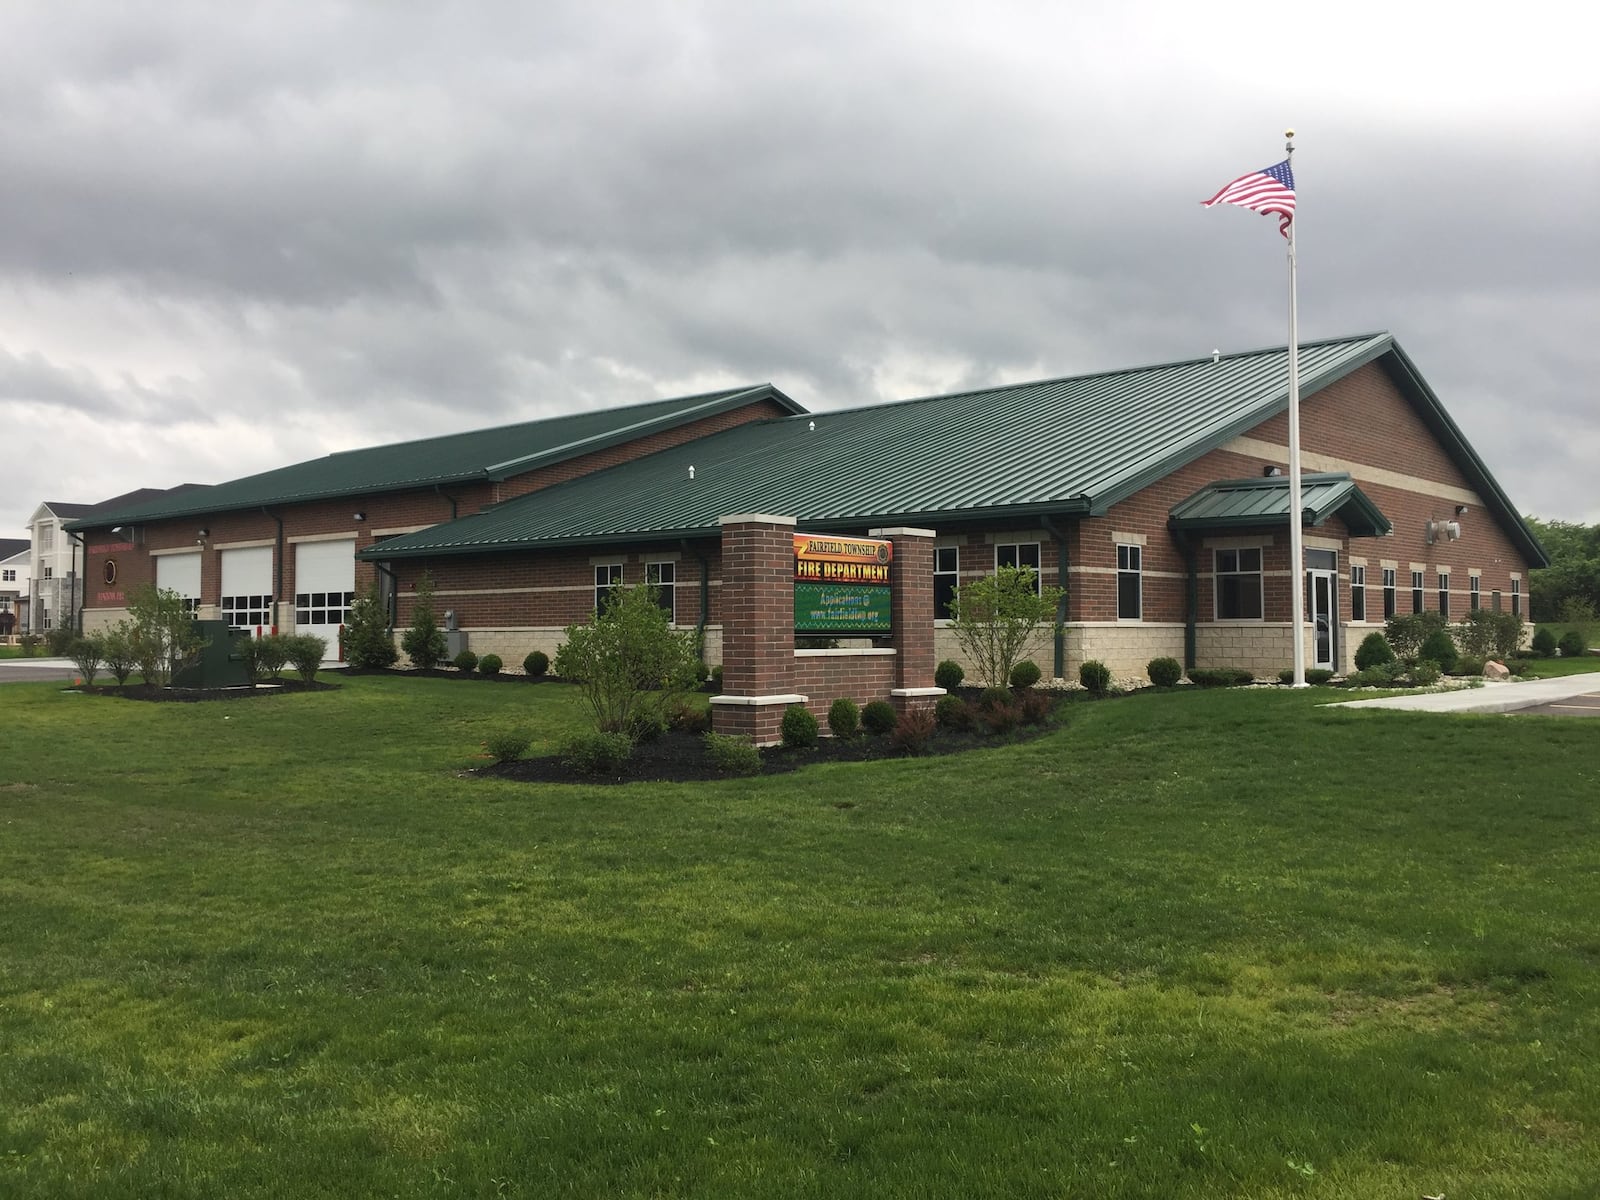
<point x="1297" y="573"/>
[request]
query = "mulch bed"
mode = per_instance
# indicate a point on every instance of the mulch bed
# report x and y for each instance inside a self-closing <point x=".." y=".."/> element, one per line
<point x="143" y="691"/>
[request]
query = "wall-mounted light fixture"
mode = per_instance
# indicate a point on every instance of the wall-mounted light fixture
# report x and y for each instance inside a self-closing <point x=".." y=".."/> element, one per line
<point x="1461" y="510"/>
<point x="360" y="516"/>
<point x="1271" y="472"/>
<point x="205" y="533"/>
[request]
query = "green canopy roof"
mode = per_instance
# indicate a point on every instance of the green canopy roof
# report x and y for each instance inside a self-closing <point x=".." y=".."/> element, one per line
<point x="1252" y="503"/>
<point x="1060" y="446"/>
<point x="475" y="456"/>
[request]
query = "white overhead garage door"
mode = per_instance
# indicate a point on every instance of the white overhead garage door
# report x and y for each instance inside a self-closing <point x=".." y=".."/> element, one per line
<point x="324" y="587"/>
<point x="180" y="573"/>
<point x="247" y="588"/>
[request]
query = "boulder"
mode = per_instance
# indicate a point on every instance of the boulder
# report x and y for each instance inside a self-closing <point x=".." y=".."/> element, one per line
<point x="1495" y="670"/>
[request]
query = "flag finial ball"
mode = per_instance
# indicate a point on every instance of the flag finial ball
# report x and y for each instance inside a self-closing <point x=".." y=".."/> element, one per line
<point x="1288" y="133"/>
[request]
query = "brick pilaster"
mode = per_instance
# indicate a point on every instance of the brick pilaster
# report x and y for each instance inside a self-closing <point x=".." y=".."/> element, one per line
<point x="911" y="611"/>
<point x="757" y="626"/>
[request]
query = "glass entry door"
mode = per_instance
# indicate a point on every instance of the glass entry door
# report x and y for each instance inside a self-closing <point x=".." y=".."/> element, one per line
<point x="1322" y="579"/>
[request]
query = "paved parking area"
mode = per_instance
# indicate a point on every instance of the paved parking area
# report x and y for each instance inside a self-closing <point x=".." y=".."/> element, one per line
<point x="1587" y="705"/>
<point x="33" y="670"/>
<point x="1568" y="695"/>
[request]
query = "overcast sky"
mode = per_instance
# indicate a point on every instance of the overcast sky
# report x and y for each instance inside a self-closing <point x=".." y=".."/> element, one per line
<point x="234" y="236"/>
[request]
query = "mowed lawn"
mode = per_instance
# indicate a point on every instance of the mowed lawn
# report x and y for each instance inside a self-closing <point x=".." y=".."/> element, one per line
<point x="1187" y="945"/>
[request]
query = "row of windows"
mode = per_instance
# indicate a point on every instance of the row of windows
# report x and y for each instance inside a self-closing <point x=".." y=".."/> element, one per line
<point x="663" y="576"/>
<point x="1358" y="593"/>
<point x="317" y="608"/>
<point x="246" y="612"/>
<point x="947" y="570"/>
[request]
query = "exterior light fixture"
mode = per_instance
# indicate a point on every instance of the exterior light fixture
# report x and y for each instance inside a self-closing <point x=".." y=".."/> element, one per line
<point x="360" y="516"/>
<point x="1272" y="472"/>
<point x="205" y="533"/>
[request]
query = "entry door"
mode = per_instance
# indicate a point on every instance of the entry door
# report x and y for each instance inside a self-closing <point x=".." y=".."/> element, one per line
<point x="1322" y="609"/>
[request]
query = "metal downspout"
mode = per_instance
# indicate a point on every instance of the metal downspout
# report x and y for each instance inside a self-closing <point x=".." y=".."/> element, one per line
<point x="454" y="511"/>
<point x="705" y="598"/>
<point x="1060" y="671"/>
<point x="1191" y="596"/>
<point x="75" y="578"/>
<point x="277" y="562"/>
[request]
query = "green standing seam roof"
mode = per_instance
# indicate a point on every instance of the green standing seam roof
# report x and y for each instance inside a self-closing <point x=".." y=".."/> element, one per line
<point x="474" y="456"/>
<point x="1252" y="503"/>
<point x="1058" y="447"/>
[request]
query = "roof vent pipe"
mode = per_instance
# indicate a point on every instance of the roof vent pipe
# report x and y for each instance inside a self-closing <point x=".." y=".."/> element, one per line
<point x="1216" y="357"/>
<point x="691" y="472"/>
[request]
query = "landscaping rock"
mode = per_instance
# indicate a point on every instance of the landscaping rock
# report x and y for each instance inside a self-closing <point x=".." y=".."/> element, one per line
<point x="1495" y="670"/>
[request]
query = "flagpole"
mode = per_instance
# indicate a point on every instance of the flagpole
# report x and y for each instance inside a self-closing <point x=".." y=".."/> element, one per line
<point x="1297" y="574"/>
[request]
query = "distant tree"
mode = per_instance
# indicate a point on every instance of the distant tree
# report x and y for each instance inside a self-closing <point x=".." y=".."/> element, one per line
<point x="1572" y="580"/>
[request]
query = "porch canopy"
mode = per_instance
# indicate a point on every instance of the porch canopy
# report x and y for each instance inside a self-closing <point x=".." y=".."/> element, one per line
<point x="1252" y="503"/>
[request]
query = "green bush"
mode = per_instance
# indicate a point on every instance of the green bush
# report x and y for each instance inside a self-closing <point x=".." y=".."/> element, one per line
<point x="490" y="664"/>
<point x="1164" y="672"/>
<point x="1544" y="642"/>
<point x="1382" y="675"/>
<point x="1374" y="651"/>
<point x="799" y="727"/>
<point x="995" y="617"/>
<point x="685" y="715"/>
<point x="368" y="640"/>
<point x="1439" y="647"/>
<point x="423" y="641"/>
<point x="508" y="745"/>
<point x="952" y="713"/>
<point x="87" y="653"/>
<point x="536" y="664"/>
<point x="1025" y="674"/>
<point x="628" y="659"/>
<point x="992" y="698"/>
<point x="304" y="653"/>
<point x="1426" y="672"/>
<point x="732" y="755"/>
<point x="1034" y="707"/>
<point x="1215" y="677"/>
<point x="1095" y="676"/>
<point x="1407" y="633"/>
<point x="646" y="726"/>
<point x="117" y="648"/>
<point x="597" y="752"/>
<point x="1485" y="634"/>
<point x="29" y="643"/>
<point x="878" y="717"/>
<point x="466" y="662"/>
<point x="58" y="641"/>
<point x="844" y="718"/>
<point x="949" y="674"/>
<point x="1314" y="675"/>
<point x="716" y="677"/>
<point x="165" y="637"/>
<point x="913" y="731"/>
<point x="1466" y="665"/>
<point x="1573" y="644"/>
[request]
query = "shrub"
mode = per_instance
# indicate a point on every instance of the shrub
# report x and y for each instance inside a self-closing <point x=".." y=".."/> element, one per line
<point x="994" y="618"/>
<point x="306" y="652"/>
<point x="878" y="717"/>
<point x="1426" y="672"/>
<point x="685" y="715"/>
<point x="466" y="662"/>
<point x="1573" y="644"/>
<point x="264" y="657"/>
<point x="490" y="665"/>
<point x="596" y="752"/>
<point x="1025" y="674"/>
<point x="1034" y="707"/>
<point x="117" y="649"/>
<point x="536" y="664"/>
<point x="165" y="639"/>
<point x="1095" y="676"/>
<point x="732" y="755"/>
<point x="913" y="731"/>
<point x="1314" y="675"/>
<point x="992" y="698"/>
<point x="424" y="642"/>
<point x="58" y="641"/>
<point x="1001" y="716"/>
<point x="87" y="653"/>
<point x="508" y="746"/>
<point x="799" y="727"/>
<point x="716" y="677"/>
<point x="645" y="727"/>
<point x="949" y="674"/>
<point x="1576" y="610"/>
<point x="1469" y="666"/>
<point x="1484" y="633"/>
<point x="844" y="718"/>
<point x="1220" y="677"/>
<point x="1164" y="672"/>
<point x="1544" y="642"/>
<point x="368" y="640"/>
<point x="1382" y="675"/>
<point x="1439" y="647"/>
<point x="701" y="671"/>
<point x="1407" y="633"/>
<point x="1373" y="651"/>
<point x="628" y="659"/>
<point x="952" y="713"/>
<point x="29" y="643"/>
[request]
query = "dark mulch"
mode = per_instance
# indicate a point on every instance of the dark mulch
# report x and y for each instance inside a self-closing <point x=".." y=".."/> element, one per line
<point x="143" y="691"/>
<point x="678" y="757"/>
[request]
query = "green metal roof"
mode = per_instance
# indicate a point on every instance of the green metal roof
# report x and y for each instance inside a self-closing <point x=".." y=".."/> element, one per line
<point x="475" y="456"/>
<point x="1060" y="446"/>
<point x="1252" y="503"/>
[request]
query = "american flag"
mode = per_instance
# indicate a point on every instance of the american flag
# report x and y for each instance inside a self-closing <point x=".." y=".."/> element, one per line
<point x="1269" y="190"/>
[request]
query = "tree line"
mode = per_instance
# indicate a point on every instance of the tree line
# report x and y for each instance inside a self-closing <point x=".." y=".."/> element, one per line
<point x="1569" y="588"/>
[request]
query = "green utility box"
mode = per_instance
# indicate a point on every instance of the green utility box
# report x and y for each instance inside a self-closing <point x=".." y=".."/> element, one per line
<point x="221" y="664"/>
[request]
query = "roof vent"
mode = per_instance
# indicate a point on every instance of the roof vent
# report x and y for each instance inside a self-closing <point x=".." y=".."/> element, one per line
<point x="811" y="425"/>
<point x="691" y="472"/>
<point x="1216" y="357"/>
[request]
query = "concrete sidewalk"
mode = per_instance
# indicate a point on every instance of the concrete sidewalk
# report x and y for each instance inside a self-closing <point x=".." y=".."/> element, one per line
<point x="33" y="670"/>
<point x="1504" y="697"/>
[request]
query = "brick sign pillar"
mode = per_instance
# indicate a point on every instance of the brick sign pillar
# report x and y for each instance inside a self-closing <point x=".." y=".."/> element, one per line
<point x="911" y="611"/>
<point x="758" y="627"/>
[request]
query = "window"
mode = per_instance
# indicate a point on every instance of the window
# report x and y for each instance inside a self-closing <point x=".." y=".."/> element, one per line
<point x="1444" y="593"/>
<point x="1388" y="592"/>
<point x="49" y="572"/>
<point x="1473" y="583"/>
<point x="1516" y="598"/>
<point x="246" y="612"/>
<point x="1358" y="593"/>
<point x="606" y="577"/>
<point x="8" y="575"/>
<point x="45" y="618"/>
<point x="1416" y="591"/>
<point x="663" y="576"/>
<point x="1238" y="584"/>
<point x="1494" y="600"/>
<point x="47" y="537"/>
<point x="312" y="608"/>
<point x="1130" y="588"/>
<point x="946" y="578"/>
<point x="1018" y="554"/>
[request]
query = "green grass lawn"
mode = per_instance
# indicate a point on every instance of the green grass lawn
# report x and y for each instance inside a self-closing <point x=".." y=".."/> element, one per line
<point x="1198" y="944"/>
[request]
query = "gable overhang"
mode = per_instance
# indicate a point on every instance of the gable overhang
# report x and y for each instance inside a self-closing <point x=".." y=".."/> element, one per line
<point x="1233" y="504"/>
